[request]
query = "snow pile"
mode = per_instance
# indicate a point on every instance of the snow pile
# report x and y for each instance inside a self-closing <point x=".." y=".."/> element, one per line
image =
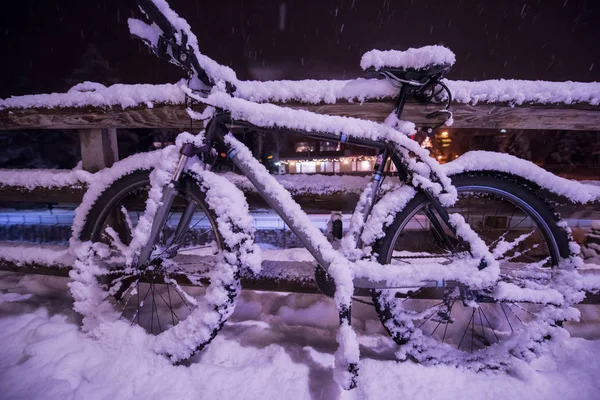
<point x="413" y="58"/>
<point x="517" y="92"/>
<point x="273" y="343"/>
<point x="50" y="178"/>
<point x="22" y="254"/>
<point x="310" y="91"/>
<point x="116" y="95"/>
<point x="315" y="91"/>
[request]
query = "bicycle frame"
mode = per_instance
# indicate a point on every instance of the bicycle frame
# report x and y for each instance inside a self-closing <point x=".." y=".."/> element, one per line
<point x="178" y="51"/>
<point x="221" y="124"/>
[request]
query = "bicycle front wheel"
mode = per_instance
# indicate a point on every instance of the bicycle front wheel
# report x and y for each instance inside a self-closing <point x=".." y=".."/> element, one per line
<point x="167" y="296"/>
<point x="437" y="325"/>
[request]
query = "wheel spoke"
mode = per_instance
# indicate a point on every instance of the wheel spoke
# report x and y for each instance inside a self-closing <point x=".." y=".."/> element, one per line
<point x="172" y="312"/>
<point x="448" y="323"/>
<point x="432" y="314"/>
<point x="482" y="326"/>
<point x="156" y="308"/>
<point x="512" y="311"/>
<point x="472" y="329"/>
<point x="128" y="297"/>
<point x="168" y="304"/>
<point x="519" y="306"/>
<point x="490" y="325"/>
<point x="466" y="329"/>
<point x="514" y="233"/>
<point x="139" y="304"/>
<point x="436" y="327"/>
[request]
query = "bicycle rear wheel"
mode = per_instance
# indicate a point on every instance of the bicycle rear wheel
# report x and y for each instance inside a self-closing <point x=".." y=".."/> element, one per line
<point x="458" y="325"/>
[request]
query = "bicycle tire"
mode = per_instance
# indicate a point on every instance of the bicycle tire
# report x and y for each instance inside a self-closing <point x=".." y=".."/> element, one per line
<point x="195" y="336"/>
<point x="420" y="337"/>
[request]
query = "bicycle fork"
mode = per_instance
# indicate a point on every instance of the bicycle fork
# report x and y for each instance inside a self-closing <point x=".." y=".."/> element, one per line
<point x="162" y="213"/>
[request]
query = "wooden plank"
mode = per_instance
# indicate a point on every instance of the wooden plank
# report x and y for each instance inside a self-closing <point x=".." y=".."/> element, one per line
<point x="482" y="116"/>
<point x="98" y="148"/>
<point x="74" y="195"/>
<point x="337" y="201"/>
<point x="249" y="282"/>
<point x="62" y="194"/>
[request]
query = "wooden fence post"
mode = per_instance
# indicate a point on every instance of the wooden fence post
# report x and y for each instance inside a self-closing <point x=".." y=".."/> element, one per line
<point x="98" y="148"/>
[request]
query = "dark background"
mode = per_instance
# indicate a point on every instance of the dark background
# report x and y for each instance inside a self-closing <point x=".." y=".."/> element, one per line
<point x="50" y="45"/>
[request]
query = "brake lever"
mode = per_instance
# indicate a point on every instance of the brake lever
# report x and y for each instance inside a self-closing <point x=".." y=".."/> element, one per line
<point x="162" y="48"/>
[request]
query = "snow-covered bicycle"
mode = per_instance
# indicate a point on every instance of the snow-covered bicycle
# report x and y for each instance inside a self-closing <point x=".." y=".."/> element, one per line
<point x="470" y="267"/>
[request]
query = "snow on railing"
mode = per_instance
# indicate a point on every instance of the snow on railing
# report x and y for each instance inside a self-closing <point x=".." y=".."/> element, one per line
<point x="323" y="185"/>
<point x="518" y="92"/>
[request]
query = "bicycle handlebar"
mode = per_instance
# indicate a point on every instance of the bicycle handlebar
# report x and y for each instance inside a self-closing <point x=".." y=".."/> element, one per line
<point x="181" y="53"/>
<point x="157" y="17"/>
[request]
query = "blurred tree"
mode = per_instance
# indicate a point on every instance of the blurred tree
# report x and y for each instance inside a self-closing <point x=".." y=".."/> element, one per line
<point x="516" y="143"/>
<point x="591" y="248"/>
<point x="93" y="66"/>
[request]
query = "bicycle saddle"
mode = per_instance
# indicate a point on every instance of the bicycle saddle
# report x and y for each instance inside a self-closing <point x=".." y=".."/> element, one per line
<point x="415" y="66"/>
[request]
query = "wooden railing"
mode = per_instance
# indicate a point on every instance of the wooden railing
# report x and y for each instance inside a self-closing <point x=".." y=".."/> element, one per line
<point x="97" y="128"/>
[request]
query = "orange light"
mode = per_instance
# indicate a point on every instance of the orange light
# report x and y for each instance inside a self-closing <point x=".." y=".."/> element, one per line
<point x="445" y="134"/>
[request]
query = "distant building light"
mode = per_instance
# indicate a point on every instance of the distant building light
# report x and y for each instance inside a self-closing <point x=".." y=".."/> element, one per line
<point x="364" y="166"/>
<point x="269" y="157"/>
<point x="445" y="134"/>
<point x="502" y="130"/>
<point x="439" y="157"/>
<point x="276" y="163"/>
<point x="426" y="143"/>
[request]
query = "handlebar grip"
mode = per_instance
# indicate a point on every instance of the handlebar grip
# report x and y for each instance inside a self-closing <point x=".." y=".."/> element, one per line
<point x="156" y="16"/>
<point x="371" y="74"/>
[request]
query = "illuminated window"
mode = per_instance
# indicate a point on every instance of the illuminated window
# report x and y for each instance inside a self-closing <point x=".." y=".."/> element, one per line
<point x="364" y="165"/>
<point x="309" y="167"/>
<point x="330" y="146"/>
<point x="303" y="147"/>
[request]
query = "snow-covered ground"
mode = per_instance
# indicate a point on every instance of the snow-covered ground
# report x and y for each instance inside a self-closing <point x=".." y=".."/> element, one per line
<point x="275" y="345"/>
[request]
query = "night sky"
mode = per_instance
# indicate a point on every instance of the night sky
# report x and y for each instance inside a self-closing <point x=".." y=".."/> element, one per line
<point x="49" y="45"/>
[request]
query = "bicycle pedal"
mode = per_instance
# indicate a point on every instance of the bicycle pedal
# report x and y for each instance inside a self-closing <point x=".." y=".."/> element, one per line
<point x="335" y="227"/>
<point x="353" y="369"/>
